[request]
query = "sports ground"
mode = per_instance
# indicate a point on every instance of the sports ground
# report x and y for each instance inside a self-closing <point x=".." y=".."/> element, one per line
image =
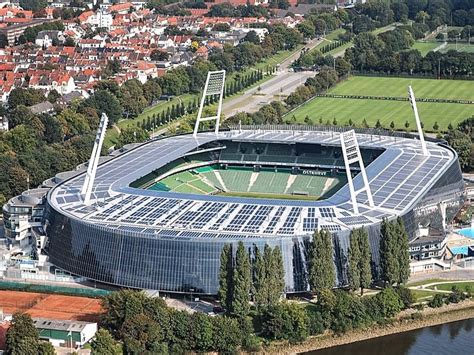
<point x="343" y="109"/>
<point x="43" y="305"/>
<point x="244" y="182"/>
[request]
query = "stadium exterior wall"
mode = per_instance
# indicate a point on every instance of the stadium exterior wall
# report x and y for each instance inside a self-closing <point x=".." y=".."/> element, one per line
<point x="191" y="265"/>
<point x="187" y="265"/>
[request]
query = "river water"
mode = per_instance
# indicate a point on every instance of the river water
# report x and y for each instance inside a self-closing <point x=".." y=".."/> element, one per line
<point x="456" y="338"/>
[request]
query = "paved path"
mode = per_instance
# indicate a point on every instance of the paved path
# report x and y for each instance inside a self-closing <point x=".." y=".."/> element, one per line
<point x="450" y="275"/>
<point x="427" y="287"/>
<point x="278" y="87"/>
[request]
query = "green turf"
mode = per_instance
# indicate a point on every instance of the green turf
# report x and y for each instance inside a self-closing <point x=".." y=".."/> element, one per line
<point x="185" y="188"/>
<point x="424" y="282"/>
<point x="388" y="111"/>
<point x="425" y="47"/>
<point x="448" y="287"/>
<point x="201" y="185"/>
<point x="426" y="88"/>
<point x="273" y="196"/>
<point x="461" y="47"/>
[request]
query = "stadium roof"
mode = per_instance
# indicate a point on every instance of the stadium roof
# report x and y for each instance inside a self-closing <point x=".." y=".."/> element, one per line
<point x="398" y="179"/>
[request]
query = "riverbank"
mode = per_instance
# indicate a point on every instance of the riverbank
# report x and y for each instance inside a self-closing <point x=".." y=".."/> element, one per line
<point x="406" y="321"/>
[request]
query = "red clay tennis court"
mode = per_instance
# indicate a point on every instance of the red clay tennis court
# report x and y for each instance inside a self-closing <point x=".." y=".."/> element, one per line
<point x="51" y="306"/>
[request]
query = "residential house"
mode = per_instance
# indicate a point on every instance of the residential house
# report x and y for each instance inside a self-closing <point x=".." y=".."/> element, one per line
<point x="46" y="39"/>
<point x="42" y="107"/>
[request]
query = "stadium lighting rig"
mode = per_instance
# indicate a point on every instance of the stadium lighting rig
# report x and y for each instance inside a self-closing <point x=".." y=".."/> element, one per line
<point x="411" y="98"/>
<point x="94" y="161"/>
<point x="214" y="86"/>
<point x="351" y="154"/>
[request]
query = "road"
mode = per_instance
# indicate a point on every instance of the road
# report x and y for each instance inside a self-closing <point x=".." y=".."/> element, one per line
<point x="278" y="87"/>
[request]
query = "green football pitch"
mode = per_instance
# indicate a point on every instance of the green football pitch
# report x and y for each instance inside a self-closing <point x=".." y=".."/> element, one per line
<point x="326" y="109"/>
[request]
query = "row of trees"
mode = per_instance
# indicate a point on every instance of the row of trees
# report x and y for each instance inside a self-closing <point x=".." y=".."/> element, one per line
<point x="242" y="278"/>
<point x="322" y="23"/>
<point x="389" y="53"/>
<point x="430" y="13"/>
<point x="394" y="258"/>
<point x="273" y="113"/>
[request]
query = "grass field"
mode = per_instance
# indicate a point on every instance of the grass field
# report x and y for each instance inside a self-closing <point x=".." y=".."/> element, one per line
<point x="388" y="111"/>
<point x="448" y="287"/>
<point x="461" y="47"/>
<point x="272" y="196"/>
<point x="425" y="47"/>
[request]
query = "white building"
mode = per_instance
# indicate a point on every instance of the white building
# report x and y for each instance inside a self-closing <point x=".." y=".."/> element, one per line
<point x="3" y="124"/>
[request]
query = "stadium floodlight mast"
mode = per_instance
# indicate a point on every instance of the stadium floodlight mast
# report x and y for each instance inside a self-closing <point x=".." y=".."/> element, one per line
<point x="351" y="154"/>
<point x="94" y="161"/>
<point x="214" y="86"/>
<point x="411" y="97"/>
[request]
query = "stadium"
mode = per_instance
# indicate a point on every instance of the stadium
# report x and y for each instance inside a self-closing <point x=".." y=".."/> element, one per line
<point x="160" y="212"/>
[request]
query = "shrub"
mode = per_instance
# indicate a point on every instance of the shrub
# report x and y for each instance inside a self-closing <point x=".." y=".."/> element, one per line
<point x="437" y="301"/>
<point x="285" y="321"/>
<point x="456" y="295"/>
<point x="389" y="302"/>
<point x="406" y="296"/>
<point x="315" y="320"/>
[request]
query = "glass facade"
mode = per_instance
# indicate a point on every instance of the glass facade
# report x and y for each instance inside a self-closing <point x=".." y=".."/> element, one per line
<point x="191" y="265"/>
<point x="147" y="261"/>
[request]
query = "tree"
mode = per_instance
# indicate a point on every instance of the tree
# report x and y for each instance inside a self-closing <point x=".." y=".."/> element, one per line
<point x="360" y="273"/>
<point x="394" y="256"/>
<point x="259" y="278"/>
<point x="69" y="42"/>
<point x="226" y="278"/>
<point x="227" y="335"/>
<point x="46" y="348"/>
<point x="33" y="5"/>
<point x="285" y="321"/>
<point x="269" y="274"/>
<point x="388" y="253"/>
<point x="321" y="264"/>
<point x="105" y="101"/>
<point x="159" y="55"/>
<point x="141" y="335"/>
<point x="22" y="336"/>
<point x="461" y="143"/>
<point x="403" y="256"/>
<point x="354" y="260"/>
<point x="104" y="344"/>
<point x="389" y="303"/>
<point x="26" y="97"/>
<point x="242" y="282"/>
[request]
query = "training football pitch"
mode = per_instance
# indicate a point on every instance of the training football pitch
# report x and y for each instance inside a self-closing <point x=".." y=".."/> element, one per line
<point x="327" y="109"/>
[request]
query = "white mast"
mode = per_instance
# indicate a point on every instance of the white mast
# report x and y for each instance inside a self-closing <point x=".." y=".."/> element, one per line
<point x="351" y="154"/>
<point x="214" y="86"/>
<point x="411" y="97"/>
<point x="94" y="161"/>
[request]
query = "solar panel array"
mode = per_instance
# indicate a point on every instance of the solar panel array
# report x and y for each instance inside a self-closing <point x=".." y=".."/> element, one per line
<point x="398" y="178"/>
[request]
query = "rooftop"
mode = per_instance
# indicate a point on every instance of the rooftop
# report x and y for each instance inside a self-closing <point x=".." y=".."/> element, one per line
<point x="398" y="179"/>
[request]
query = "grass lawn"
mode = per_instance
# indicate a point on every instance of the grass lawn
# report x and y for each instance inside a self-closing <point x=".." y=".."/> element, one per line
<point x="424" y="282"/>
<point x="425" y="47"/>
<point x="388" y="111"/>
<point x="448" y="287"/>
<point x="422" y="295"/>
<point x="461" y="47"/>
<point x="426" y="88"/>
<point x="272" y="196"/>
